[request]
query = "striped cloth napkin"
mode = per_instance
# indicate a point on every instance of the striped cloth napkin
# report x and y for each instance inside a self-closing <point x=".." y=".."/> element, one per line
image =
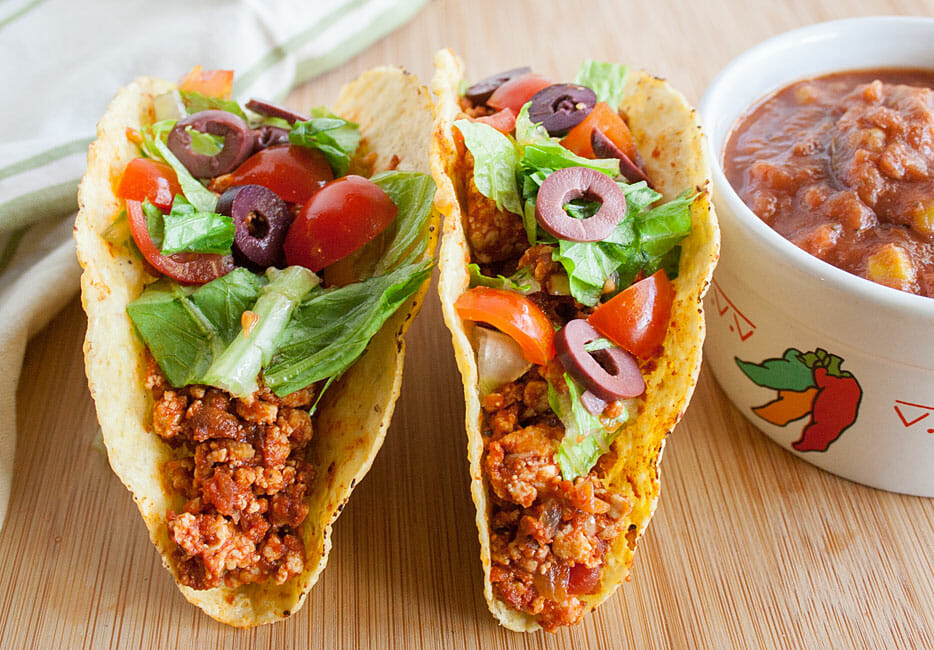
<point x="62" y="62"/>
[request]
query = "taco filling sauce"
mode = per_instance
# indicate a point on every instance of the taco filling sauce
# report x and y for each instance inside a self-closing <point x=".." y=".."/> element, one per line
<point x="571" y="252"/>
<point x="843" y="167"/>
<point x="236" y="213"/>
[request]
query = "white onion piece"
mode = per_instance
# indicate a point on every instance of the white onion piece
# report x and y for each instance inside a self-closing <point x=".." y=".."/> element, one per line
<point x="169" y="106"/>
<point x="499" y="359"/>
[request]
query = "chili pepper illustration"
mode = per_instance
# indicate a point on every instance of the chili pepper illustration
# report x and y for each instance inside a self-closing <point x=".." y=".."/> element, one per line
<point x="807" y="383"/>
<point x="791" y="405"/>
<point x="835" y="409"/>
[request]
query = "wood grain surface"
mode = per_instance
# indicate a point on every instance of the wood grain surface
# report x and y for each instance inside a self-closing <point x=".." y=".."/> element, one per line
<point x="750" y="547"/>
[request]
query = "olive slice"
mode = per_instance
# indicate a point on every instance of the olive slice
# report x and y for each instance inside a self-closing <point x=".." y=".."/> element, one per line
<point x="609" y="374"/>
<point x="261" y="221"/>
<point x="561" y="107"/>
<point x="238" y="142"/>
<point x="274" y="110"/>
<point x="572" y="183"/>
<point x="478" y="93"/>
<point x="592" y="403"/>
<point x="603" y="147"/>
<point x="268" y="136"/>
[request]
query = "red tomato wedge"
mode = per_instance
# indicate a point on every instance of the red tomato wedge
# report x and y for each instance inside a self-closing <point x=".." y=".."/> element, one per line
<point x="343" y="216"/>
<point x="292" y="172"/>
<point x="213" y="83"/>
<point x="149" y="179"/>
<point x="503" y="121"/>
<point x="187" y="268"/>
<point x="636" y="319"/>
<point x="516" y="92"/>
<point x="512" y="314"/>
<point x="609" y="123"/>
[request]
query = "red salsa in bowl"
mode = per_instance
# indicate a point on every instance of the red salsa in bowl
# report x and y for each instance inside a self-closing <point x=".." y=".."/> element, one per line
<point x="842" y="166"/>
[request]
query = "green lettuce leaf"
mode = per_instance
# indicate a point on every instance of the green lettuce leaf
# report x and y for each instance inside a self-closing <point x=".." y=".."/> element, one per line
<point x="495" y="161"/>
<point x="196" y="102"/>
<point x="186" y="328"/>
<point x="332" y="327"/>
<point x="406" y="239"/>
<point x="586" y="437"/>
<point x="335" y="137"/>
<point x="189" y="230"/>
<point x="521" y="281"/>
<point x="608" y="80"/>
<point x="197" y="194"/>
<point x="237" y="367"/>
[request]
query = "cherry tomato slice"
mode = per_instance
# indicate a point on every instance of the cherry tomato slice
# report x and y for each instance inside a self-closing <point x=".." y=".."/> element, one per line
<point x="609" y="123"/>
<point x="213" y="83"/>
<point x="149" y="179"/>
<point x="516" y="92"/>
<point x="512" y="314"/>
<point x="503" y="121"/>
<point x="187" y="268"/>
<point x="343" y="216"/>
<point x="636" y="319"/>
<point x="292" y="172"/>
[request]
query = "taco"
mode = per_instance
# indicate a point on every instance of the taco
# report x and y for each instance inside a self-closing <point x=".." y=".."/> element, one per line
<point x="578" y="241"/>
<point x="249" y="274"/>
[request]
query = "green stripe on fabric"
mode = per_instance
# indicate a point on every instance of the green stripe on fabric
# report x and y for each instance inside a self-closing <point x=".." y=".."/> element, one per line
<point x="282" y="50"/>
<point x="45" y="157"/>
<point x="52" y="201"/>
<point x="19" y="13"/>
<point x="10" y="249"/>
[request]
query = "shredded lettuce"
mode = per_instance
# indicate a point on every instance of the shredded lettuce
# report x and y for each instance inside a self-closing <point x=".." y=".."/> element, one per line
<point x="586" y="437"/>
<point x="237" y="367"/>
<point x="332" y="327"/>
<point x="196" y="102"/>
<point x="185" y="328"/>
<point x="608" y="80"/>
<point x="335" y="137"/>
<point x="205" y="144"/>
<point x="495" y="161"/>
<point x="197" y="194"/>
<point x="406" y="239"/>
<point x="521" y="281"/>
<point x="189" y="230"/>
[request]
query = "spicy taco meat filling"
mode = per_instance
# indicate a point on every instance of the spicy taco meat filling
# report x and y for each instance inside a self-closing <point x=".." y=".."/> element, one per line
<point x="572" y="259"/>
<point x="265" y="255"/>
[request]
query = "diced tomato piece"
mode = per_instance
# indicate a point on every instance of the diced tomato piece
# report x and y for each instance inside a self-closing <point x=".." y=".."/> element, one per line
<point x="513" y="314"/>
<point x="609" y="123"/>
<point x="636" y="319"/>
<point x="583" y="579"/>
<point x="149" y="179"/>
<point x="187" y="268"/>
<point x="292" y="172"/>
<point x="503" y="121"/>
<point x="516" y="92"/>
<point x="343" y="216"/>
<point x="213" y="83"/>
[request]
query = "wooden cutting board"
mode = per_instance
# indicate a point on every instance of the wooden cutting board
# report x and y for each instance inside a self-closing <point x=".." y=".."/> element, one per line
<point x="750" y="547"/>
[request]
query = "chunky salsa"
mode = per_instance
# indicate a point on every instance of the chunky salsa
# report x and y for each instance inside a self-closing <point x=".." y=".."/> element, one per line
<point x="843" y="166"/>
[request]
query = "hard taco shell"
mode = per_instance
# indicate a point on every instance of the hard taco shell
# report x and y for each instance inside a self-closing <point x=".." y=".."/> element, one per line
<point x="395" y="117"/>
<point x="668" y="134"/>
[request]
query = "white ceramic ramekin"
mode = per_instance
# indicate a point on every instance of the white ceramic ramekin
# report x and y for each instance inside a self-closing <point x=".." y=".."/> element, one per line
<point x="769" y="296"/>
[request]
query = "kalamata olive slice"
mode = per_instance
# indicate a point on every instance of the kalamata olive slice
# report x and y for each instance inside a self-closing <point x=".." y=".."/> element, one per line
<point x="603" y="147"/>
<point x="610" y="374"/>
<point x="478" y="93"/>
<point x="561" y="107"/>
<point x="238" y="142"/>
<point x="565" y="185"/>
<point x="267" y="136"/>
<point x="261" y="221"/>
<point x="274" y="110"/>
